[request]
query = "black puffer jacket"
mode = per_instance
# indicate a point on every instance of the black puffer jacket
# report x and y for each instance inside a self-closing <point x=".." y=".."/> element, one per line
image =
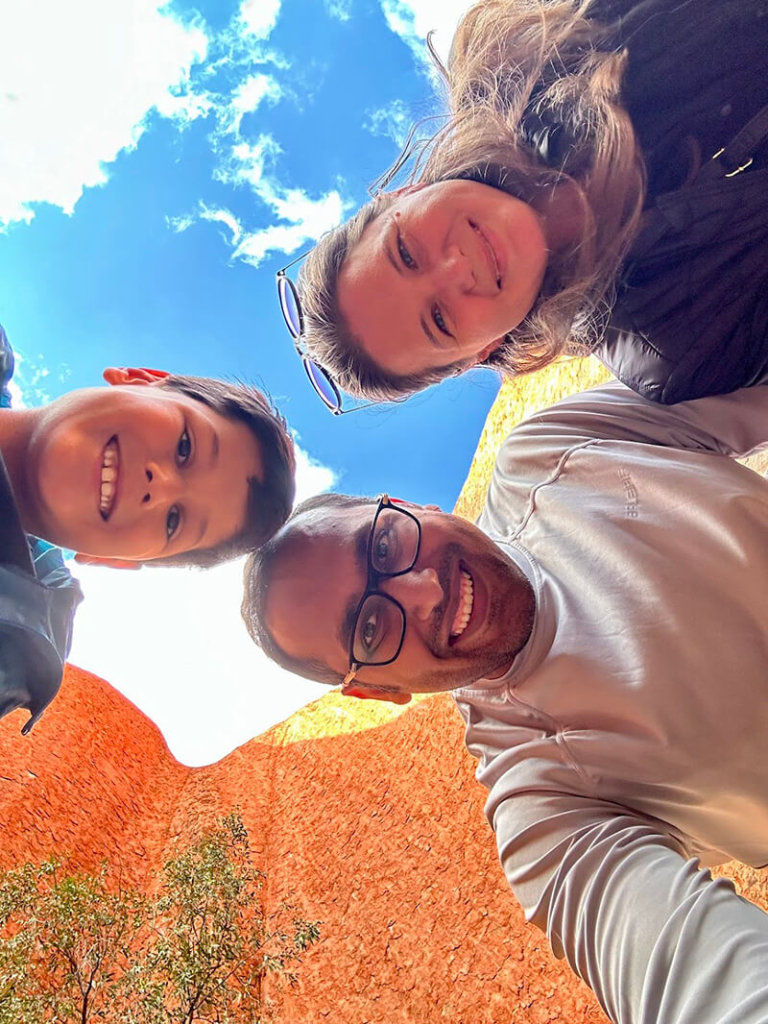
<point x="691" y="310"/>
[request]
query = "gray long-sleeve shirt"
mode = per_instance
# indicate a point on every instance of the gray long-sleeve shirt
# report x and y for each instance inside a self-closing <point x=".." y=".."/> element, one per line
<point x="630" y="737"/>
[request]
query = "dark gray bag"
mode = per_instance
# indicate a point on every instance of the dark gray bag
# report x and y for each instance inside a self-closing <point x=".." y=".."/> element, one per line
<point x="691" y="311"/>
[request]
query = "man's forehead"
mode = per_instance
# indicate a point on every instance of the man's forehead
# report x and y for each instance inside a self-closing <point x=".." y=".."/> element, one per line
<point x="321" y="565"/>
<point x="335" y="523"/>
<point x="324" y="547"/>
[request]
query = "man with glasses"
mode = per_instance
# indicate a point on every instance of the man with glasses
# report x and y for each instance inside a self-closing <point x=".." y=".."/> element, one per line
<point x="604" y="628"/>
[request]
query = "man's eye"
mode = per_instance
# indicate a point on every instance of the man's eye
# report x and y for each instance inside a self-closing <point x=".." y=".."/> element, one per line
<point x="405" y="256"/>
<point x="439" y="321"/>
<point x="183" y="448"/>
<point x="384" y="550"/>
<point x="381" y="547"/>
<point x="369" y="634"/>
<point x="172" y="521"/>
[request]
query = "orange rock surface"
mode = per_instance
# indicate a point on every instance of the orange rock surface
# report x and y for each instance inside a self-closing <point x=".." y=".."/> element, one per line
<point x="371" y="815"/>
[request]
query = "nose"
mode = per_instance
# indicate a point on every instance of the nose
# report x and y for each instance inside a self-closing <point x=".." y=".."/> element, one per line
<point x="161" y="485"/>
<point x="418" y="591"/>
<point x="455" y="270"/>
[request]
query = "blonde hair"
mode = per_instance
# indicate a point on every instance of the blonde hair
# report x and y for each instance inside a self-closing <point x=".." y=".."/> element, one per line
<point x="534" y="93"/>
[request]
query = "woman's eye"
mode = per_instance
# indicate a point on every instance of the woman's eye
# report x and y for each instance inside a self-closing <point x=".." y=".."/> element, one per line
<point x="172" y="521"/>
<point x="405" y="256"/>
<point x="183" y="448"/>
<point x="439" y="321"/>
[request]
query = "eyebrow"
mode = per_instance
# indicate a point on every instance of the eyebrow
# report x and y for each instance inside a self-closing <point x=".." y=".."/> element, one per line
<point x="214" y="448"/>
<point x="391" y="257"/>
<point x="344" y="633"/>
<point x="425" y="327"/>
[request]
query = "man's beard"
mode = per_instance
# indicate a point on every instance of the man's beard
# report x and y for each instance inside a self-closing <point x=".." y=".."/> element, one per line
<point x="513" y="603"/>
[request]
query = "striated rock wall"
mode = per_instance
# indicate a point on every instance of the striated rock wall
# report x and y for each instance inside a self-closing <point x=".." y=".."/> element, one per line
<point x="371" y="815"/>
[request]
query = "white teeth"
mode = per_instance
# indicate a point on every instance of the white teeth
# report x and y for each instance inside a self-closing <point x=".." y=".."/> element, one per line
<point x="491" y="254"/>
<point x="466" y="601"/>
<point x="110" y="462"/>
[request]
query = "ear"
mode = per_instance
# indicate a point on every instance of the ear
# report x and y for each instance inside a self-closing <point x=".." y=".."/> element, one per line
<point x="133" y="375"/>
<point x="361" y="691"/>
<point x="111" y="563"/>
<point x="483" y="354"/>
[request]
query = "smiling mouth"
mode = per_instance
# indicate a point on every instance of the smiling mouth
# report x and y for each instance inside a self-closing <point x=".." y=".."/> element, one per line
<point x="465" y="605"/>
<point x="492" y="261"/>
<point x="110" y="470"/>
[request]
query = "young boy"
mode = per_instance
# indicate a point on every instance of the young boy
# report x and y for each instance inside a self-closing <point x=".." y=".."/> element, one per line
<point x="156" y="469"/>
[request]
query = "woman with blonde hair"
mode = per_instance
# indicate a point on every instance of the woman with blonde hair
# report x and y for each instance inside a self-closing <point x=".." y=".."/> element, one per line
<point x="599" y="185"/>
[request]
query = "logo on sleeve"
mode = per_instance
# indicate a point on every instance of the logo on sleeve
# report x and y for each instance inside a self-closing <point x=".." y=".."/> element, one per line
<point x="631" y="499"/>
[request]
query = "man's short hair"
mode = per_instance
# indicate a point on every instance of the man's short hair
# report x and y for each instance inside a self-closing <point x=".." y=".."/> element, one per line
<point x="269" y="500"/>
<point x="259" y="568"/>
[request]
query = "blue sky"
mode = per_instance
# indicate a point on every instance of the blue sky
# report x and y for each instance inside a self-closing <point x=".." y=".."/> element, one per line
<point x="158" y="165"/>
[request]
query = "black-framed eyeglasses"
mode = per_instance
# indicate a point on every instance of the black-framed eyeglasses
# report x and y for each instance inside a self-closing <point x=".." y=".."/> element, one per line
<point x="378" y="631"/>
<point x="290" y="306"/>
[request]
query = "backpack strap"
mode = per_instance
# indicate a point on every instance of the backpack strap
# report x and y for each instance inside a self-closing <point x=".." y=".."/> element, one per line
<point x="739" y="152"/>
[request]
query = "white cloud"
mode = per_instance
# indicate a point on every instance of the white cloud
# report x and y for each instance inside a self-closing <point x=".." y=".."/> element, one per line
<point x="393" y="121"/>
<point x="173" y="642"/>
<point x="340" y="9"/>
<point x="257" y="18"/>
<point x="303" y="218"/>
<point x="184" y="105"/>
<point x="181" y="223"/>
<point x="246" y="98"/>
<point x="28" y="386"/>
<point x="248" y="162"/>
<point x="223" y="217"/>
<point x="413" y="20"/>
<point x="77" y="82"/>
<point x="300" y="219"/>
<point x="312" y="477"/>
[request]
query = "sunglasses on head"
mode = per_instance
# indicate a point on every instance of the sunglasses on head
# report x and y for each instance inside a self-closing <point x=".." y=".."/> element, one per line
<point x="290" y="306"/>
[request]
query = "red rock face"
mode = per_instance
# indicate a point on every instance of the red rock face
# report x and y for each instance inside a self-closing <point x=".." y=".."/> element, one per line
<point x="370" y="815"/>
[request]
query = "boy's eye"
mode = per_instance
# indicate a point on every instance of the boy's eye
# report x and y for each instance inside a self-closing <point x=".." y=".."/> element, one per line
<point x="405" y="256"/>
<point x="439" y="321"/>
<point x="172" y="521"/>
<point x="184" y="447"/>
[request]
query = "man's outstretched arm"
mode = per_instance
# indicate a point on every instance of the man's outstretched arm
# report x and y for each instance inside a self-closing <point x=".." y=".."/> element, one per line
<point x="656" y="938"/>
<point x="734" y="424"/>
